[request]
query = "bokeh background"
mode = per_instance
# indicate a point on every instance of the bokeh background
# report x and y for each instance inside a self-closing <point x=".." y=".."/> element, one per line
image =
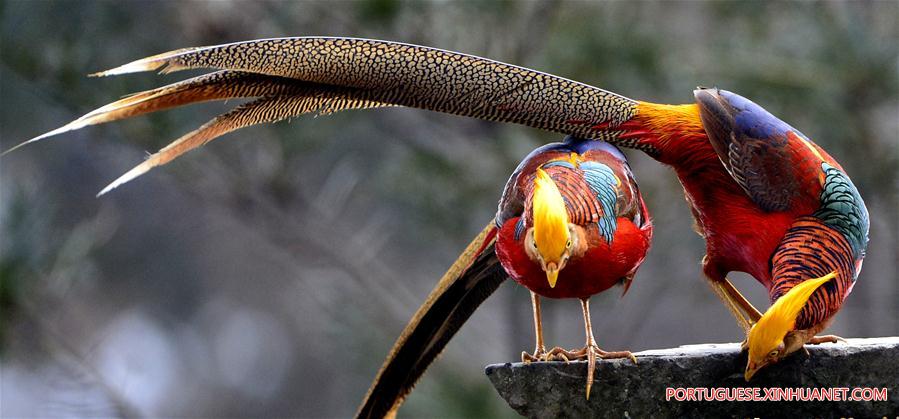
<point x="268" y="273"/>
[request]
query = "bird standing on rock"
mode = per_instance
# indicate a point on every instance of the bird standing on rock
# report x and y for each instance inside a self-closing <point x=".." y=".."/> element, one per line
<point x="572" y="223"/>
<point x="810" y="224"/>
<point x="767" y="200"/>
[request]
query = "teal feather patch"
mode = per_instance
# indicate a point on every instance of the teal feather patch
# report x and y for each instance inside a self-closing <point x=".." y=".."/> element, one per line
<point x="519" y="228"/>
<point x="602" y="181"/>
<point x="843" y="209"/>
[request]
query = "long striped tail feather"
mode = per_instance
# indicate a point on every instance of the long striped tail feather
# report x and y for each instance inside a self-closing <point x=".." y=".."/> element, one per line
<point x="346" y="73"/>
<point x="317" y="100"/>
<point x="220" y="85"/>
<point x="278" y="98"/>
<point x="474" y="276"/>
<point x="414" y="76"/>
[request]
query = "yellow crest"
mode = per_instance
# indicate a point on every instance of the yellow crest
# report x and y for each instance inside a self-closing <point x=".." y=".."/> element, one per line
<point x="550" y="218"/>
<point x="780" y="318"/>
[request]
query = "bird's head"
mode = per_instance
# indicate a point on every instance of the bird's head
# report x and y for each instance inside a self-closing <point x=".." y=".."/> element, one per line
<point x="766" y="338"/>
<point x="549" y="242"/>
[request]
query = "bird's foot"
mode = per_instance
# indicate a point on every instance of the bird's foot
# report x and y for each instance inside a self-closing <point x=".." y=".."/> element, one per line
<point x="817" y="340"/>
<point x="590" y="352"/>
<point x="560" y="354"/>
<point x="540" y="355"/>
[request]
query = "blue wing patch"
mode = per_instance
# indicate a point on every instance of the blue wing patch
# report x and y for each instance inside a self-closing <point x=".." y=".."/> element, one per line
<point x="754" y="121"/>
<point x="604" y="184"/>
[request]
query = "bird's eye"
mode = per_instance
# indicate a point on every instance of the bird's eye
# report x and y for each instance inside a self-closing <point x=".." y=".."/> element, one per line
<point x="773" y="353"/>
<point x="567" y="245"/>
<point x="535" y="245"/>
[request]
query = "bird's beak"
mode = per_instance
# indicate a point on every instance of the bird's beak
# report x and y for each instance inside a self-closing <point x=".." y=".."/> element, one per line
<point x="751" y="369"/>
<point x="552" y="273"/>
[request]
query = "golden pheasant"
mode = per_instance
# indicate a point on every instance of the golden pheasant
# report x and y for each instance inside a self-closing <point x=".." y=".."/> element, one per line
<point x="767" y="200"/>
<point x="572" y="223"/>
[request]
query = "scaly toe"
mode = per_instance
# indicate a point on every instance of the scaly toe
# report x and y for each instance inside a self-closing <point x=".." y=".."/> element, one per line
<point x="616" y="355"/>
<point x="538" y="356"/>
<point x="566" y="355"/>
<point x="563" y="358"/>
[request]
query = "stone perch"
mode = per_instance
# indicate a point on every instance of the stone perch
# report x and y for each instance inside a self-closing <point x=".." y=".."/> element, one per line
<point x="622" y="389"/>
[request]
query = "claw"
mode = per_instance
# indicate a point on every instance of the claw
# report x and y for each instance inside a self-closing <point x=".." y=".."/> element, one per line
<point x="526" y="357"/>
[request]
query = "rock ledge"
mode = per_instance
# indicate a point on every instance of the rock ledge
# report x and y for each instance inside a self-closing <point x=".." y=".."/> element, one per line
<point x="622" y="389"/>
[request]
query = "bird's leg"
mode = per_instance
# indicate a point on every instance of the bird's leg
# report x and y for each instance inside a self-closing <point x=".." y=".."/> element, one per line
<point x="734" y="309"/>
<point x="751" y="312"/>
<point x="591" y="345"/>
<point x="722" y="288"/>
<point x="539" y="349"/>
<point x="591" y="351"/>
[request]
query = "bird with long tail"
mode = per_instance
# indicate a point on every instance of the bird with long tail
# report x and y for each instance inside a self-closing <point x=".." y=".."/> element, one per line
<point x="767" y="200"/>
<point x="816" y="261"/>
<point x="572" y="223"/>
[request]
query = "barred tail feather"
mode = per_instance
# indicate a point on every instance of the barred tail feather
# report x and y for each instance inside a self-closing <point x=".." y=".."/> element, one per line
<point x="347" y="73"/>
<point x="264" y="110"/>
<point x="415" y="76"/>
<point x="220" y="85"/>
